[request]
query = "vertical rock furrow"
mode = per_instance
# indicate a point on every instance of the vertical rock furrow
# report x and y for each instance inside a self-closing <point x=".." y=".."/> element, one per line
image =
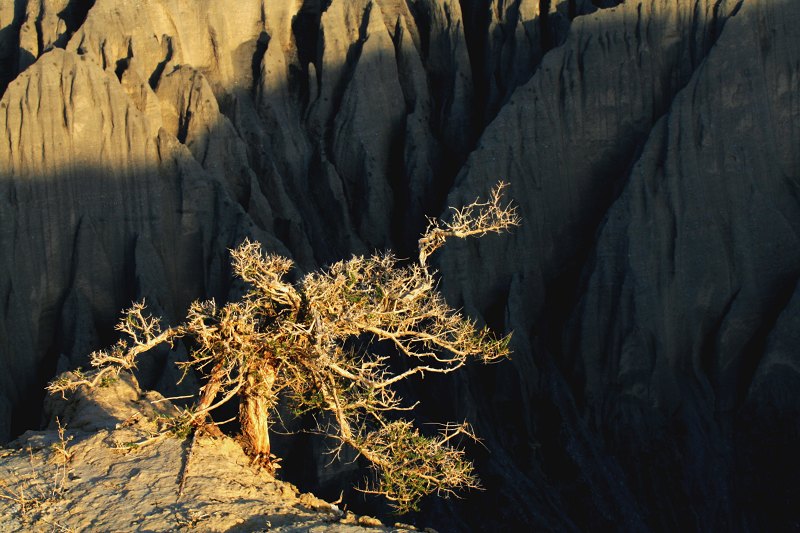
<point x="566" y="137"/>
<point x="294" y="110"/>
<point x="690" y="273"/>
<point x="77" y="192"/>
<point x="564" y="142"/>
<point x="366" y="130"/>
<point x="507" y="40"/>
<point x="424" y="160"/>
<point x="651" y="146"/>
<point x="443" y="49"/>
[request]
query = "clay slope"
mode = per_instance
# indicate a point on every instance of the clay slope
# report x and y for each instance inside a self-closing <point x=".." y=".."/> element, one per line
<point x="651" y="146"/>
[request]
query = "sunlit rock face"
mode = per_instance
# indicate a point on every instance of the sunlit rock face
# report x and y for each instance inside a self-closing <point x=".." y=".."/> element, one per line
<point x="652" y="148"/>
<point x="100" y="205"/>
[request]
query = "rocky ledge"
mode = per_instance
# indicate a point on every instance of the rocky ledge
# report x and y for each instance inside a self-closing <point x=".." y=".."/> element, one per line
<point x="86" y="472"/>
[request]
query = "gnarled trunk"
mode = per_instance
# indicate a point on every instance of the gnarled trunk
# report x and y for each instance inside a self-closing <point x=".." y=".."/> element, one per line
<point x="210" y="391"/>
<point x="256" y="401"/>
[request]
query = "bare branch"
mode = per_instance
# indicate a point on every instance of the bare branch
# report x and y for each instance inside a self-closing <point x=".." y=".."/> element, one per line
<point x="145" y="334"/>
<point x="476" y="219"/>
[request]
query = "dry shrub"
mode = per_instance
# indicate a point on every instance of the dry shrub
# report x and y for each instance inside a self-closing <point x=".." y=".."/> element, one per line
<point x="296" y="341"/>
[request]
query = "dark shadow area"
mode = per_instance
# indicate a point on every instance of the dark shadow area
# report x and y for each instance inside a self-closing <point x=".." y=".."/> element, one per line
<point x="74" y="15"/>
<point x="94" y="267"/>
<point x="11" y="55"/>
<point x="500" y="61"/>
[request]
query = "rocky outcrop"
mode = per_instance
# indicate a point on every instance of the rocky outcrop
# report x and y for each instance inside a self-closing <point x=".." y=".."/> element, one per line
<point x="105" y="471"/>
<point x="651" y="147"/>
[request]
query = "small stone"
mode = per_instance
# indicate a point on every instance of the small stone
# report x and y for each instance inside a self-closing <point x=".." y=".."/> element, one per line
<point x="348" y="518"/>
<point x="369" y="521"/>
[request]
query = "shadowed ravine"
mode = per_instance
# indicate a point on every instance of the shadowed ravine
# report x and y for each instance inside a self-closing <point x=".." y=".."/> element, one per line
<point x="652" y="148"/>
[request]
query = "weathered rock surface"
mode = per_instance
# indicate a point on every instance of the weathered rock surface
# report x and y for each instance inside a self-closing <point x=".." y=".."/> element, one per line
<point x="652" y="147"/>
<point x="546" y="130"/>
<point x="708" y="224"/>
<point x="92" y="478"/>
<point x="92" y="201"/>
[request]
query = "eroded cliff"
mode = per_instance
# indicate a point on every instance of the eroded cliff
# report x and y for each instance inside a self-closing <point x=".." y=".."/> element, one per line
<point x="651" y="146"/>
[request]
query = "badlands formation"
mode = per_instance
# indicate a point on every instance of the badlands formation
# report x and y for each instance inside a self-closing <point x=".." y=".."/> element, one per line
<point x="653" y="148"/>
